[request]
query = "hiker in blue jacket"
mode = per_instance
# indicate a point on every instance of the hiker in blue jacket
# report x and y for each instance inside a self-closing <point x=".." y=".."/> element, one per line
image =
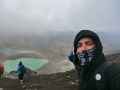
<point x="20" y="71"/>
<point x="94" y="71"/>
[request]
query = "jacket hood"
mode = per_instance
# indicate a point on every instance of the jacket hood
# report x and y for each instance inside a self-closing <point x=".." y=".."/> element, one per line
<point x="91" y="34"/>
<point x="99" y="56"/>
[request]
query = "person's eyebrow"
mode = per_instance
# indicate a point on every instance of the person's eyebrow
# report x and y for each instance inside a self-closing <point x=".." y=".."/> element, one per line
<point x="89" y="41"/>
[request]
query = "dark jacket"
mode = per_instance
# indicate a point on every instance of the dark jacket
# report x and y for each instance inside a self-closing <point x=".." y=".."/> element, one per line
<point x="86" y="75"/>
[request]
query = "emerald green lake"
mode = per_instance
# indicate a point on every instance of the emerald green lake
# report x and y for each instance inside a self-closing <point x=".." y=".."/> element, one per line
<point x="31" y="63"/>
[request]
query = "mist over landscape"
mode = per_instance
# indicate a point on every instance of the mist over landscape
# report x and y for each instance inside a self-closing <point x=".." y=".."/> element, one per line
<point x="48" y="28"/>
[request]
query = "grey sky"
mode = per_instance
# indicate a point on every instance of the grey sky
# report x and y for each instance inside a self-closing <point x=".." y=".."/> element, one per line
<point x="46" y="15"/>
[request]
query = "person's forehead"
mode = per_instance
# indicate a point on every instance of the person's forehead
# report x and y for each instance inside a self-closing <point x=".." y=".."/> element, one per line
<point x="85" y="39"/>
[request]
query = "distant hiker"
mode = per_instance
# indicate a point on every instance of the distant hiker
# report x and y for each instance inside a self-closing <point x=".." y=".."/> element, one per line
<point x="21" y="71"/>
<point x="1" y="70"/>
<point x="94" y="71"/>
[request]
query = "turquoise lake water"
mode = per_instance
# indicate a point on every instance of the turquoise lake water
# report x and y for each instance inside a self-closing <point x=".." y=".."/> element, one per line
<point x="33" y="64"/>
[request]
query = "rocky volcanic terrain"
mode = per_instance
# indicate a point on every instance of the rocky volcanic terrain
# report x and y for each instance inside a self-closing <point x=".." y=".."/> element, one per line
<point x="57" y="81"/>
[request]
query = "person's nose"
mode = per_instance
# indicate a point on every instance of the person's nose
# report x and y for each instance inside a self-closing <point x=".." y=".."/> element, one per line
<point x="84" y="47"/>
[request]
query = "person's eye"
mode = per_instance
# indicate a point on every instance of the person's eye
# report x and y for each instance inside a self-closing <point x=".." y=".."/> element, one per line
<point x="79" y="45"/>
<point x="89" y="43"/>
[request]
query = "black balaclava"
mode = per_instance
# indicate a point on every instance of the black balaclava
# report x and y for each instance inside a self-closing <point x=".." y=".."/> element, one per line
<point x="98" y="56"/>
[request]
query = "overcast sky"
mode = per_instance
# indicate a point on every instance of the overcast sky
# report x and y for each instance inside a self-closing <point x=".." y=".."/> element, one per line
<point x="59" y="15"/>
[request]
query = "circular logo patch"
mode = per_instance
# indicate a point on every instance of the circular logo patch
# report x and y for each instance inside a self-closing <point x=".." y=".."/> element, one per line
<point x="98" y="77"/>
